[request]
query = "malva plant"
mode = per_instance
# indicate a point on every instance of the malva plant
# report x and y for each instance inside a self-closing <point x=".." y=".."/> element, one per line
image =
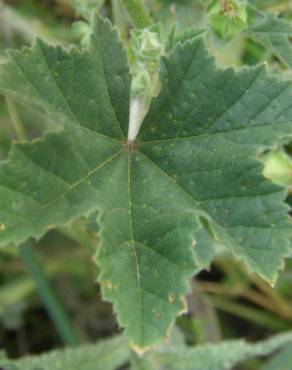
<point x="167" y="181"/>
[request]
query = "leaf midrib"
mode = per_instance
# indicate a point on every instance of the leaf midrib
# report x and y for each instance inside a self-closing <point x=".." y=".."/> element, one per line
<point x="131" y="224"/>
<point x="240" y="129"/>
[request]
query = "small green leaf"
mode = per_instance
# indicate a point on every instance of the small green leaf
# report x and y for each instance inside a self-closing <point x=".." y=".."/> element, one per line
<point x="278" y="167"/>
<point x="86" y="8"/>
<point x="272" y="32"/>
<point x="227" y="18"/>
<point x="175" y="37"/>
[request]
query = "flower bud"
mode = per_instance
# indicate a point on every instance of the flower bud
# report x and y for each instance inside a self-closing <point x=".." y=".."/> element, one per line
<point x="227" y="17"/>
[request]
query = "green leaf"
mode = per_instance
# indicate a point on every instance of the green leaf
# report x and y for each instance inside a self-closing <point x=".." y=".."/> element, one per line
<point x="278" y="167"/>
<point x="86" y="8"/>
<point x="264" y="4"/>
<point x="107" y="355"/>
<point x="227" y="19"/>
<point x="274" y="33"/>
<point x="281" y="361"/>
<point x="175" y="37"/>
<point x="87" y="167"/>
<point x="223" y="356"/>
<point x="192" y="168"/>
<point x="141" y="363"/>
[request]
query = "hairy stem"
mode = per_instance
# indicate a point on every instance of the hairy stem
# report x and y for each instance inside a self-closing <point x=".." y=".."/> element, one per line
<point x="48" y="297"/>
<point x="138" y="13"/>
<point x="119" y="18"/>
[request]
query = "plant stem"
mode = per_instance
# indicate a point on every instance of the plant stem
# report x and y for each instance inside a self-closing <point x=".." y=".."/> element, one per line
<point x="18" y="127"/>
<point x="47" y="295"/>
<point x="260" y="317"/>
<point x="119" y="18"/>
<point x="138" y="13"/>
<point x="137" y="113"/>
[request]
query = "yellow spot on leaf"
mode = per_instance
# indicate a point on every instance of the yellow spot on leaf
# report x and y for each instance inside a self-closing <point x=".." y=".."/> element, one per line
<point x="108" y="284"/>
<point x="171" y="297"/>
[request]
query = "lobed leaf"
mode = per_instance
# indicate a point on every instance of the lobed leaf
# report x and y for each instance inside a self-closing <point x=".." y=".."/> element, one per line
<point x="190" y="180"/>
<point x="86" y="167"/>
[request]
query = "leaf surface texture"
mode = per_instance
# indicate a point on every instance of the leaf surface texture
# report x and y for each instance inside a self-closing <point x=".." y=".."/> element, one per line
<point x="192" y="171"/>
